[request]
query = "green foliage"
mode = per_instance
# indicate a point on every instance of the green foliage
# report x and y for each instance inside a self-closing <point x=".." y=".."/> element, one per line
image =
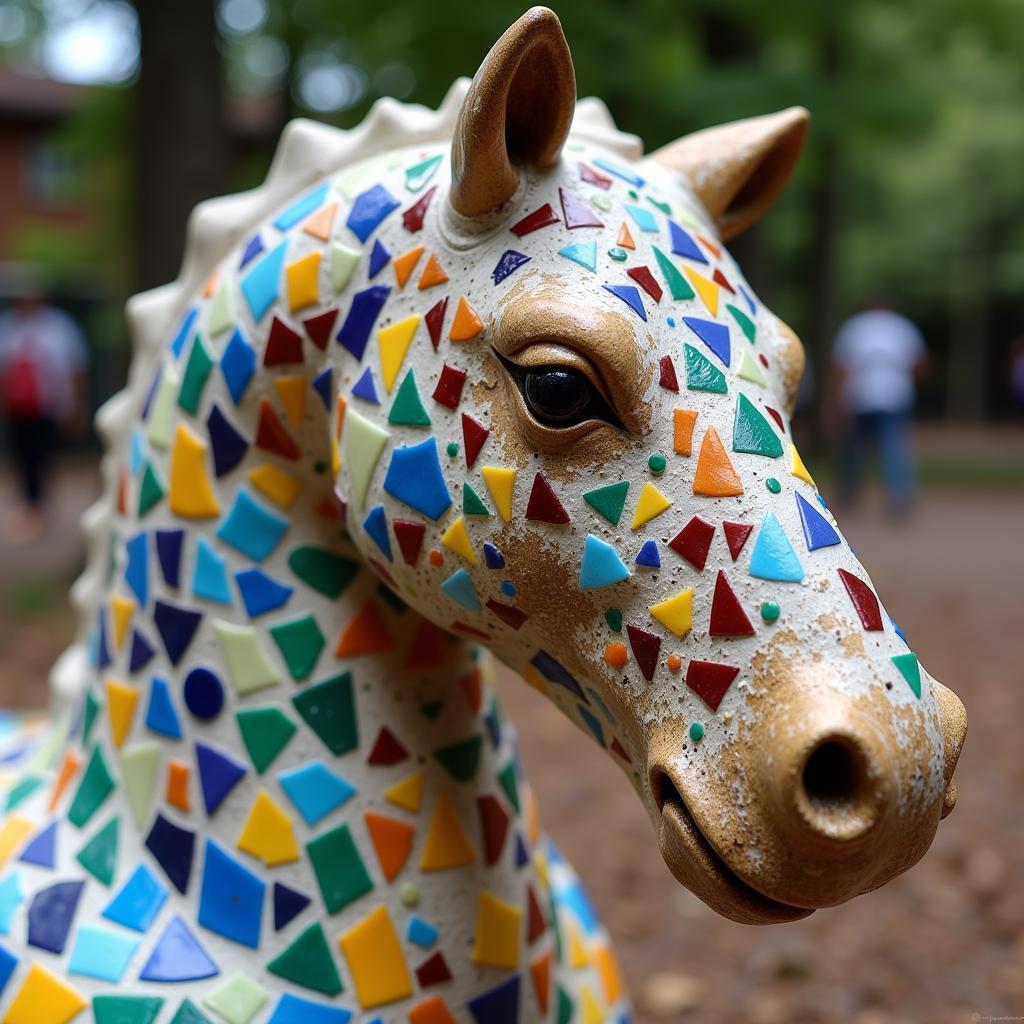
<point x="919" y="98"/>
<point x="100" y="246"/>
<point x="915" y="110"/>
<point x="34" y="597"/>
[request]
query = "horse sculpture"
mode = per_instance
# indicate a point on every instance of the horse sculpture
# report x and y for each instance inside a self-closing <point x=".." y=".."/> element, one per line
<point x="454" y="383"/>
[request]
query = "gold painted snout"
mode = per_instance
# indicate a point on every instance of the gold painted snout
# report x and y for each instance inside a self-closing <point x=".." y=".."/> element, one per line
<point x="807" y="806"/>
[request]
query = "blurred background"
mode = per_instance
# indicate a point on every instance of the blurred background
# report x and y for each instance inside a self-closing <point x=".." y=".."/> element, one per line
<point x="117" y="117"/>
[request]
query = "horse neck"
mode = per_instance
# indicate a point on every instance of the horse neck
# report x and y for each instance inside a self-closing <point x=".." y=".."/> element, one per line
<point x="421" y="704"/>
<point x="419" y="692"/>
<point x="404" y="699"/>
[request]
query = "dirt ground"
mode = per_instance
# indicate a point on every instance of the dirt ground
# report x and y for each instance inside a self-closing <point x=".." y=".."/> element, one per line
<point x="944" y="943"/>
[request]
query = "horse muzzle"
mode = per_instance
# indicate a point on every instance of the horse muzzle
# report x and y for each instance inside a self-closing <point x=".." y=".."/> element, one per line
<point x="803" y="810"/>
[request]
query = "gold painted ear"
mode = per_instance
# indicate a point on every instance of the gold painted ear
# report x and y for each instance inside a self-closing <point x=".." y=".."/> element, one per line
<point x="738" y="169"/>
<point x="517" y="111"/>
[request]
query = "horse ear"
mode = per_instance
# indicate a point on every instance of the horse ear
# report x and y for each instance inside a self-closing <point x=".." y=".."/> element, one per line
<point x="518" y="111"/>
<point x="738" y="169"/>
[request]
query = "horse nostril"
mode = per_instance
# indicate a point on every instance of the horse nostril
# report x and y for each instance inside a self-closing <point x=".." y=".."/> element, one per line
<point x="833" y="774"/>
<point x="835" y="795"/>
<point x="664" y="790"/>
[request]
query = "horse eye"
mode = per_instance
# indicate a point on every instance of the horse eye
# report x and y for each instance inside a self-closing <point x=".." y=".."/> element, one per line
<point x="557" y="397"/>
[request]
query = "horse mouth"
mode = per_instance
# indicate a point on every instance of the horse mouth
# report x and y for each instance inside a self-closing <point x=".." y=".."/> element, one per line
<point x="694" y="861"/>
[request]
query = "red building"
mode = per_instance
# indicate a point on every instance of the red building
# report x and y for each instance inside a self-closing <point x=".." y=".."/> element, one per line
<point x="52" y="205"/>
<point x="39" y="181"/>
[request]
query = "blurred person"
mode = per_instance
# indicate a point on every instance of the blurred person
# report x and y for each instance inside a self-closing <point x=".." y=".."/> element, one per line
<point x="42" y="392"/>
<point x="877" y="357"/>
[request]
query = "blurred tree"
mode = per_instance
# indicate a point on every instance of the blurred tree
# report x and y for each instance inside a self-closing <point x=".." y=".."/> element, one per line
<point x="180" y="129"/>
<point x="910" y="184"/>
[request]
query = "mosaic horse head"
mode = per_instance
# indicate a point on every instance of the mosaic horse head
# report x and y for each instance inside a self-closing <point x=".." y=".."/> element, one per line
<point x="457" y="382"/>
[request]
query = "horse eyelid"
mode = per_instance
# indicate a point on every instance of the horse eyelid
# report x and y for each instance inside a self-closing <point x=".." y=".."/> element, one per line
<point x="559" y="355"/>
<point x="606" y="413"/>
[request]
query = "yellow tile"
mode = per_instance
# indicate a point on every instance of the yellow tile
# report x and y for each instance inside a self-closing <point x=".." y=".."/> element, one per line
<point x="394" y="343"/>
<point x="121" y="610"/>
<point x="456" y="539"/>
<point x="447" y="845"/>
<point x="292" y="392"/>
<point x="500" y="482"/>
<point x="190" y="494"/>
<point x="590" y="1008"/>
<point x="651" y="503"/>
<point x="540" y="866"/>
<point x="14" y="832"/>
<point x="797" y="467"/>
<point x="301" y="278"/>
<point x="44" y="999"/>
<point x="276" y="484"/>
<point x="496" y="943"/>
<point x="121" y="701"/>
<point x="578" y="957"/>
<point x="706" y="289"/>
<point x="267" y="833"/>
<point x="408" y="793"/>
<point x="374" y="954"/>
<point x="675" y="613"/>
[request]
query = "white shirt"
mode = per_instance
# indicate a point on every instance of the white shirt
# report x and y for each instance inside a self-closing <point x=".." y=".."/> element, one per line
<point x="54" y="344"/>
<point x="877" y="351"/>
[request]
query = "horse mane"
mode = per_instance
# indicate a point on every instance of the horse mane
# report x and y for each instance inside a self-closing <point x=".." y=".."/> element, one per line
<point x="307" y="153"/>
